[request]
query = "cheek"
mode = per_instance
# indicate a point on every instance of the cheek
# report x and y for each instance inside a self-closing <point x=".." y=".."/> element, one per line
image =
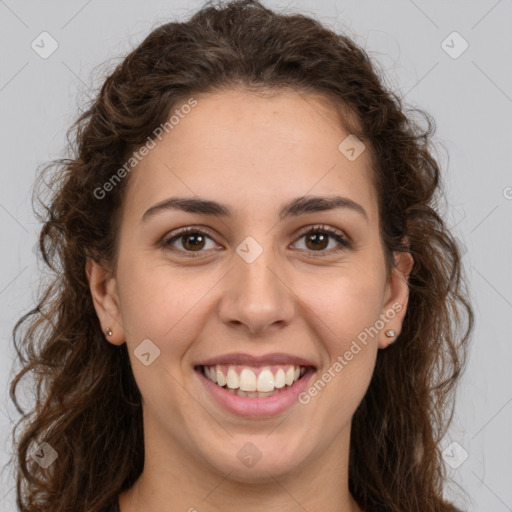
<point x="160" y="304"/>
<point x="346" y="303"/>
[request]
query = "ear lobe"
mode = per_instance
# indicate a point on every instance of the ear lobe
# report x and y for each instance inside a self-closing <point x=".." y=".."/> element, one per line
<point x="397" y="291"/>
<point x="106" y="300"/>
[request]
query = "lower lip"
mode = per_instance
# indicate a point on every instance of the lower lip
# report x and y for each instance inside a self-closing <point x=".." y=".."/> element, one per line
<point x="257" y="407"/>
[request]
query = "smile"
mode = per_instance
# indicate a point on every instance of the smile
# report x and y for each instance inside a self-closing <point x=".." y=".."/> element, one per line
<point x="254" y="391"/>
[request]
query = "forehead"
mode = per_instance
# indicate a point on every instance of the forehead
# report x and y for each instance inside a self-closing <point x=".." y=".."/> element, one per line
<point x="252" y="150"/>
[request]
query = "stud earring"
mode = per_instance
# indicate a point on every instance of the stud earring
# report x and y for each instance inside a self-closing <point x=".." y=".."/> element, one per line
<point x="390" y="333"/>
<point x="108" y="332"/>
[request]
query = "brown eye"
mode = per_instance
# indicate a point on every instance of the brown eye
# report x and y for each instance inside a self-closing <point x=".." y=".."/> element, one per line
<point x="317" y="240"/>
<point x="192" y="241"/>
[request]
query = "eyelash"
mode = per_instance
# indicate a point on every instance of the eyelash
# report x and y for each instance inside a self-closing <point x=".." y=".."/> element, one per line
<point x="345" y="244"/>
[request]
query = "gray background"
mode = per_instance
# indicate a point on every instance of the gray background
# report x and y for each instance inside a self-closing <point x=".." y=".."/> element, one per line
<point x="469" y="96"/>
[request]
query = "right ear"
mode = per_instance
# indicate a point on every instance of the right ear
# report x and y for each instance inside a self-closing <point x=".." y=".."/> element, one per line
<point x="105" y="297"/>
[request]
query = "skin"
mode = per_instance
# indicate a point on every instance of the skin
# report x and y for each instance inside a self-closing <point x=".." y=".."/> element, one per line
<point x="253" y="154"/>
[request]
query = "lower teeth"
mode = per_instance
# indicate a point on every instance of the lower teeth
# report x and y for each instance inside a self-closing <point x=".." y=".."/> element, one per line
<point x="254" y="394"/>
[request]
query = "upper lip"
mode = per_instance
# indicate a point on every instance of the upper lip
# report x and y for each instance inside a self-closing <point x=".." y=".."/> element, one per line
<point x="239" y="358"/>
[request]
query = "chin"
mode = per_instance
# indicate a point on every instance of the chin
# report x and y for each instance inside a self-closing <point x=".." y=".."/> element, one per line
<point x="256" y="461"/>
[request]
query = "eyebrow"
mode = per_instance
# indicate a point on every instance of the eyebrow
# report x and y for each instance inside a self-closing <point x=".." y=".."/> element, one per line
<point x="294" y="208"/>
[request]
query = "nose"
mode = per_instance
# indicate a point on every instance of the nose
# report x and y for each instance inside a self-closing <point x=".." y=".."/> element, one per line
<point x="257" y="297"/>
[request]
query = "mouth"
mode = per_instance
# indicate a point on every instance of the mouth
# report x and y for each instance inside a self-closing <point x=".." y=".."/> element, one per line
<point x="254" y="391"/>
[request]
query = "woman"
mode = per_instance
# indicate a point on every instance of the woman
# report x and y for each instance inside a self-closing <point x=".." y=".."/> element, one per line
<point x="255" y="303"/>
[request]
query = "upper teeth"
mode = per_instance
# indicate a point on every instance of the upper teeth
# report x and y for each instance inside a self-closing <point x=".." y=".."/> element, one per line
<point x="249" y="379"/>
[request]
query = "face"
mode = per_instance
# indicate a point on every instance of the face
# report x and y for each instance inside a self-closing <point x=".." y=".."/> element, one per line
<point x="252" y="282"/>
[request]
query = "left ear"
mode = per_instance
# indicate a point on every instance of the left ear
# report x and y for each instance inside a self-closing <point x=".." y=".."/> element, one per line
<point x="397" y="297"/>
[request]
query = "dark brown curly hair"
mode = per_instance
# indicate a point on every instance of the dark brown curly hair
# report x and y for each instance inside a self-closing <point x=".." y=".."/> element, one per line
<point x="87" y="404"/>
